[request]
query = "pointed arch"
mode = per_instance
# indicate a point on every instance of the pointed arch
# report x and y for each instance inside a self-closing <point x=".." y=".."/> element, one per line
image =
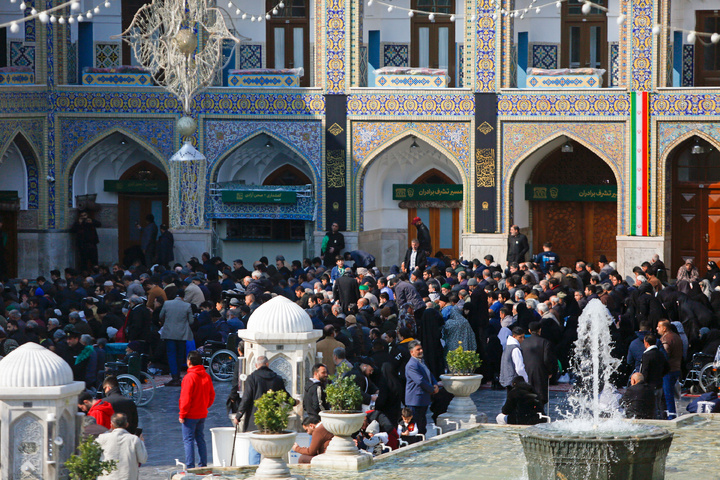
<point x="509" y="177"/>
<point x="32" y="162"/>
<point x="217" y="164"/>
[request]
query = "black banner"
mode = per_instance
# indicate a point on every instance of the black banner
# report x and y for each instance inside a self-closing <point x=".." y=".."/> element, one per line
<point x="485" y="180"/>
<point x="335" y="153"/>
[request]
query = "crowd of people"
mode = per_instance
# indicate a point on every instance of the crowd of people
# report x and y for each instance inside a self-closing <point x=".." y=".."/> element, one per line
<point x="389" y="330"/>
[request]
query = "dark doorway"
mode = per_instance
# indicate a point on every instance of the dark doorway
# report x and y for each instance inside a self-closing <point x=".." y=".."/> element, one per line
<point x="707" y="54"/>
<point x="432" y="42"/>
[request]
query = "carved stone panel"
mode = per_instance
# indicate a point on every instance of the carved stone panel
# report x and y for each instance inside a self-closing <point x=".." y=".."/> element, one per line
<point x="27" y="448"/>
<point x="282" y="367"/>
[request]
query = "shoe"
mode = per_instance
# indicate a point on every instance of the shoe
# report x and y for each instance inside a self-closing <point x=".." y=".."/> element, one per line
<point x="173" y="383"/>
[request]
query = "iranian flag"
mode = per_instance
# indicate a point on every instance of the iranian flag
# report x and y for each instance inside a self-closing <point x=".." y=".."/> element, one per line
<point x="639" y="173"/>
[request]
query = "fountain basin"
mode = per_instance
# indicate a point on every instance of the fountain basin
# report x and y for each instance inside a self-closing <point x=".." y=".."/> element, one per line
<point x="638" y="454"/>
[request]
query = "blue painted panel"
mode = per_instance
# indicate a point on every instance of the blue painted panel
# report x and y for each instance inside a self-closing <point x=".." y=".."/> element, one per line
<point x="86" y="48"/>
<point x="522" y="54"/>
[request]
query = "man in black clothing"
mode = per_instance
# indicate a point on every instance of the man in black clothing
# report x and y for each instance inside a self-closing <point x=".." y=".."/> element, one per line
<point x="120" y="404"/>
<point x="522" y="406"/>
<point x="423" y="235"/>
<point x="654" y="366"/>
<point x="414" y="257"/>
<point x="314" y="399"/>
<point x="346" y="290"/>
<point x="518" y="246"/>
<point x="361" y="376"/>
<point x="332" y="245"/>
<point x="86" y="240"/>
<point x="639" y="399"/>
<point x="239" y="271"/>
<point x="540" y="361"/>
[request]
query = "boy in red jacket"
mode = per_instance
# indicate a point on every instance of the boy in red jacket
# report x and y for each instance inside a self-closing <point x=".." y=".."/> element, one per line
<point x="99" y="409"/>
<point x="196" y="396"/>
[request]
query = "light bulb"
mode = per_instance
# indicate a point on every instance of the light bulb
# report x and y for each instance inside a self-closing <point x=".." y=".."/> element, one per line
<point x="370" y="2"/>
<point x="252" y="19"/>
<point x="43" y="17"/>
<point x="390" y="8"/>
<point x="558" y="5"/>
<point x="89" y="15"/>
<point x="691" y="37"/>
<point x="585" y="8"/>
<point x="13" y="1"/>
<point x="275" y="11"/>
<point x="75" y="6"/>
<point x="522" y="16"/>
<point x="281" y="5"/>
<point x="53" y="19"/>
<point x="473" y="18"/>
<point x="537" y="10"/>
<point x="259" y="18"/>
<point x="80" y="18"/>
<point x="431" y="17"/>
<point x="715" y="37"/>
<point x="656" y="29"/>
<point x="97" y="10"/>
<point x="526" y="10"/>
<point x="229" y="4"/>
<point x="23" y="6"/>
<point x="107" y="4"/>
<point x="61" y="20"/>
<point x="14" y="27"/>
<point x="244" y="16"/>
<point x="71" y="20"/>
<point x="621" y="19"/>
<point x="517" y="14"/>
<point x="411" y="13"/>
<point x="267" y="16"/>
<point x="452" y="18"/>
<point x="237" y="11"/>
<point x="33" y="12"/>
<point x="494" y="16"/>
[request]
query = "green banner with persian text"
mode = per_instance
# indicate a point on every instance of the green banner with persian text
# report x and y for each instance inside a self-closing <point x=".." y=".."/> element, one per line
<point x="258" y="196"/>
<point x="439" y="192"/>
<point x="136" y="186"/>
<point x="571" y="193"/>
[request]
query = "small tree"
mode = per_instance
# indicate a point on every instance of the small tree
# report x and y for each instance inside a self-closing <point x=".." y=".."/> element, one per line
<point x="272" y="410"/>
<point x="343" y="394"/>
<point x="88" y="464"/>
<point x="462" y="362"/>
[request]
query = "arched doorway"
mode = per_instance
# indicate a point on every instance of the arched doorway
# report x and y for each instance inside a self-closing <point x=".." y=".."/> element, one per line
<point x="287" y="175"/>
<point x="386" y="204"/>
<point x="143" y="190"/>
<point x="573" y="196"/>
<point x="14" y="195"/>
<point x="695" y="226"/>
<point x="441" y="217"/>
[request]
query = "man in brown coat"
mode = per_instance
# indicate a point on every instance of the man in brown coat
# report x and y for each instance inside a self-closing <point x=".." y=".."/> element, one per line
<point x="672" y="343"/>
<point x="318" y="443"/>
<point x="326" y="345"/>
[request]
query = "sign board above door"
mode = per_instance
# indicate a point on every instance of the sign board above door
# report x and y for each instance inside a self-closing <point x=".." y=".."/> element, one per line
<point x="437" y="192"/>
<point x="571" y="193"/>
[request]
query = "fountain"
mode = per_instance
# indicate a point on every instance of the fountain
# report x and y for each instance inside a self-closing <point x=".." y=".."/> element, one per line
<point x="593" y="443"/>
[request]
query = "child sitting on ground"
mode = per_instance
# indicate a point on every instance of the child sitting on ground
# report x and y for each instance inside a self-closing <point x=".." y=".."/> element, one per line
<point x="373" y="436"/>
<point x="407" y="430"/>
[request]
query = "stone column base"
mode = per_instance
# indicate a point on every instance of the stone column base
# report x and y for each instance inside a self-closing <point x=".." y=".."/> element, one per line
<point x="342" y="462"/>
<point x="190" y="243"/>
<point x="633" y="251"/>
<point x="449" y="422"/>
<point x="477" y="245"/>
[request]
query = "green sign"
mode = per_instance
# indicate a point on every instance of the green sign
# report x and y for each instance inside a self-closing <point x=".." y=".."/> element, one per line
<point x="258" y="196"/>
<point x="442" y="192"/>
<point x="136" y="186"/>
<point x="571" y="193"/>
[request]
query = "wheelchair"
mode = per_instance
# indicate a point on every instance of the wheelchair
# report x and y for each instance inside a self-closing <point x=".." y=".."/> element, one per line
<point x="135" y="383"/>
<point x="703" y="374"/>
<point x="219" y="358"/>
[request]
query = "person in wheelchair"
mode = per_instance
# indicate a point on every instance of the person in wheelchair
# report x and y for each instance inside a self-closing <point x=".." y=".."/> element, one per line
<point x="133" y="350"/>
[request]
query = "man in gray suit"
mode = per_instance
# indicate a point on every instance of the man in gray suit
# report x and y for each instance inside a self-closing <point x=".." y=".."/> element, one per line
<point x="177" y="317"/>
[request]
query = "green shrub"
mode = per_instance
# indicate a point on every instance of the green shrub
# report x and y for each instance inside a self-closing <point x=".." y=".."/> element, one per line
<point x="87" y="465"/>
<point x="462" y="362"/>
<point x="272" y="411"/>
<point x="343" y="394"/>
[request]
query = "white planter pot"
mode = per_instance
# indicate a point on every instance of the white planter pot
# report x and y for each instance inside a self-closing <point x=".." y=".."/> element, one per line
<point x="342" y="426"/>
<point x="462" y="386"/>
<point x="273" y="448"/>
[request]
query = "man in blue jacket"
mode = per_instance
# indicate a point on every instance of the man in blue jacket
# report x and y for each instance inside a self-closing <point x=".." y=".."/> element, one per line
<point x="420" y="386"/>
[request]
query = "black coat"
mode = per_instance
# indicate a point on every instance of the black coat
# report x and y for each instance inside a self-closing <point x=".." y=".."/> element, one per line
<point x="367" y="387"/>
<point x="540" y="364"/>
<point x="423" y="236"/>
<point x="336" y="241"/>
<point x="165" y="245"/>
<point x="654" y="366"/>
<point x="420" y="259"/>
<point x="518" y="247"/>
<point x="124" y="405"/>
<point x="314" y="399"/>
<point x="639" y="401"/>
<point x="429" y="333"/>
<point x="522" y="405"/>
<point x="138" y="323"/>
<point x="346" y="290"/>
<point x="259" y="382"/>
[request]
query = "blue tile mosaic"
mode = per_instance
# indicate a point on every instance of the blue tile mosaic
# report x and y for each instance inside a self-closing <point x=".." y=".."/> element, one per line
<point x="545" y="56"/>
<point x="249" y="56"/>
<point x="396" y="55"/>
<point x="688" y="66"/>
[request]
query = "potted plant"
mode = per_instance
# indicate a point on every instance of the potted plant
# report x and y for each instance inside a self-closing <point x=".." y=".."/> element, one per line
<point x="462" y="382"/>
<point x="342" y="420"/>
<point x="272" y="440"/>
<point x="88" y="464"/>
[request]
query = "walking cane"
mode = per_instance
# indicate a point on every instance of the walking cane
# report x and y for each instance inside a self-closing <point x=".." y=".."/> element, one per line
<point x="232" y="455"/>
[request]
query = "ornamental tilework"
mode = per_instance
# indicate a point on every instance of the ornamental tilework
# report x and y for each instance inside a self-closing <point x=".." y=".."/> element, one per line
<point x="33" y="130"/>
<point x="79" y="133"/>
<point x="668" y="133"/>
<point x="396" y="55"/>
<point x="513" y="66"/>
<point x="461" y="66"/>
<point x="456" y="105"/>
<point x="72" y="63"/>
<point x="371" y="137"/>
<point x="107" y="55"/>
<point x="545" y="56"/>
<point x="688" y="66"/>
<point x="685" y="105"/>
<point x="249" y="56"/>
<point x="335" y="46"/>
<point x="22" y="55"/>
<point x="485" y="44"/>
<point x="363" y="70"/>
<point x="29" y="25"/>
<point x="563" y="105"/>
<point x="614" y="64"/>
<point x="642" y="40"/>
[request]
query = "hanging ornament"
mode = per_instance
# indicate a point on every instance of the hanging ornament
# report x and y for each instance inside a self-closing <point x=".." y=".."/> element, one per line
<point x="691" y="37"/>
<point x="715" y="37"/>
<point x="411" y="13"/>
<point x="14" y="27"/>
<point x="621" y="19"/>
<point x="585" y="8"/>
<point x="656" y="29"/>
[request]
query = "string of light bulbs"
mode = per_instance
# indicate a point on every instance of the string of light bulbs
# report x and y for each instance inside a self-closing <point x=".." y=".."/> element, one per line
<point x="47" y="15"/>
